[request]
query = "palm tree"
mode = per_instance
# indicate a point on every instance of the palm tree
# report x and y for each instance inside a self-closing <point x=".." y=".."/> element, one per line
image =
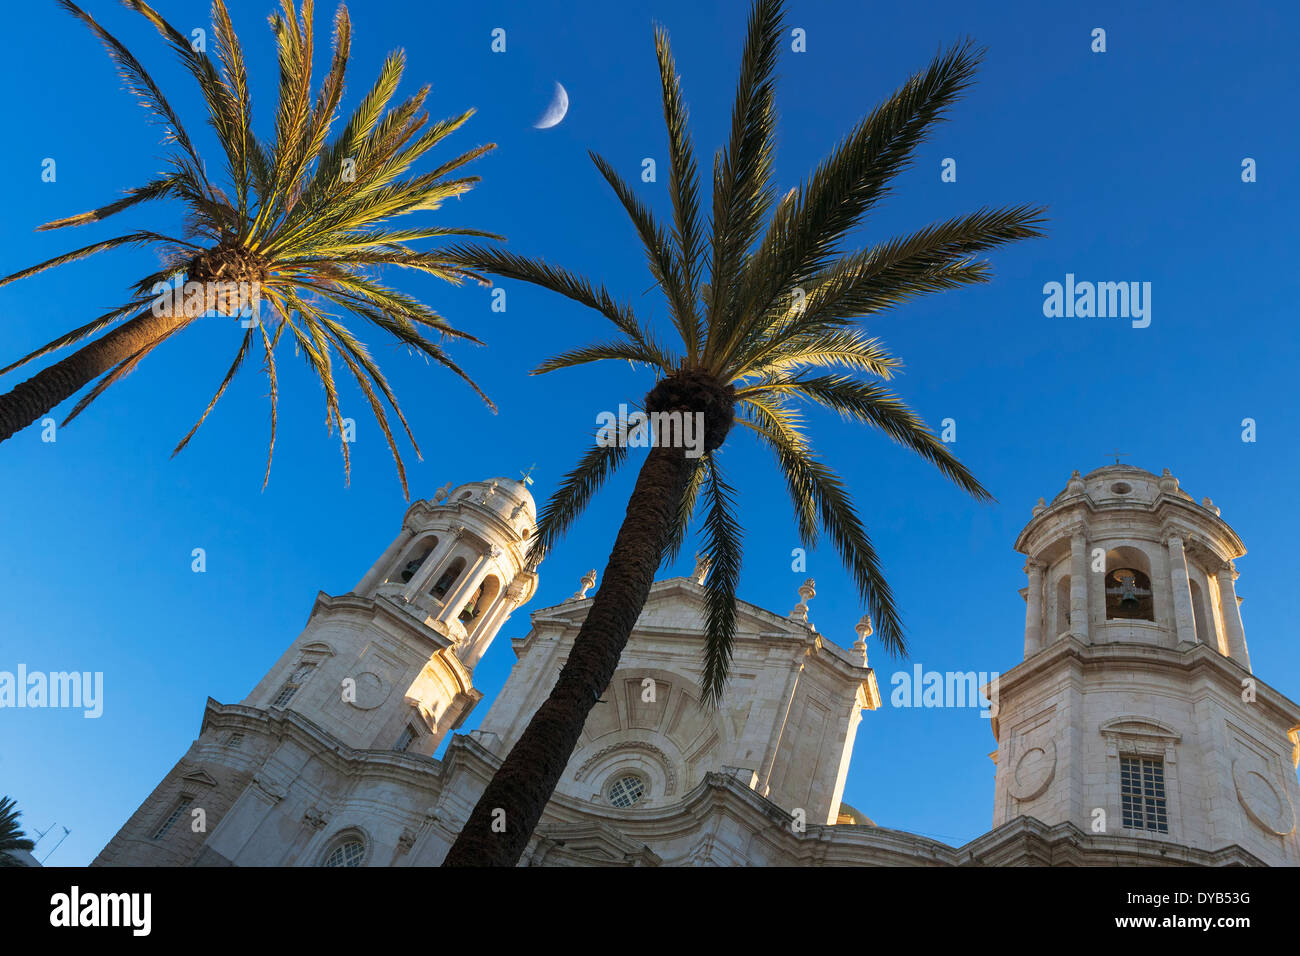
<point x="772" y="326"/>
<point x="11" y="834"/>
<point x="302" y="220"/>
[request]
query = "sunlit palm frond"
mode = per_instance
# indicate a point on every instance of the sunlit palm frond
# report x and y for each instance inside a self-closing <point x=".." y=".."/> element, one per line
<point x="306" y="217"/>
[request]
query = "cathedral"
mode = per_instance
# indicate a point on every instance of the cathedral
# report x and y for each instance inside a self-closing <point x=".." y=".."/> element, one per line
<point x="1133" y="732"/>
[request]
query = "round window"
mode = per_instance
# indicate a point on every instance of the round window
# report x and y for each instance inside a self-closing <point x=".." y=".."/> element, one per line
<point x="625" y="790"/>
<point x="1121" y="487"/>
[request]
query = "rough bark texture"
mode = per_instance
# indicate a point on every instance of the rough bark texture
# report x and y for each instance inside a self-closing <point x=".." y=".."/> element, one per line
<point x="44" y="391"/>
<point x="531" y="771"/>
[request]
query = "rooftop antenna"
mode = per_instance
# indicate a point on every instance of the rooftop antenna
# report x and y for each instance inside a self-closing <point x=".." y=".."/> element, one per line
<point x="66" y="831"/>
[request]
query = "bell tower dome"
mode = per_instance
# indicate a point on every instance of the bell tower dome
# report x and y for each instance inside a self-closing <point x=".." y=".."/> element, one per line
<point x="1135" y="717"/>
<point x="1125" y="556"/>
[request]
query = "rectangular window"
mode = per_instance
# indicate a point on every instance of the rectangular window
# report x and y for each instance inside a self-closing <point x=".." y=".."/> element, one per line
<point x="404" y="742"/>
<point x="234" y="741"/>
<point x="1142" y="793"/>
<point x="296" y="680"/>
<point x="181" y="806"/>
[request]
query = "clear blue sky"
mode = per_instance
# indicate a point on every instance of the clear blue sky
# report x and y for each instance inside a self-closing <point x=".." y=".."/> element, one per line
<point x="1137" y="151"/>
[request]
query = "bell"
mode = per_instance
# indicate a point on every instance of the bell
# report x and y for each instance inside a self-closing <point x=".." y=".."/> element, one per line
<point x="1128" y="598"/>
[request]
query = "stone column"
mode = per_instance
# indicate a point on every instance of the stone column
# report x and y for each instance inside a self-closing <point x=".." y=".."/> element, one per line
<point x="778" y="727"/>
<point x="1034" y="612"/>
<point x="1181" y="588"/>
<point x="375" y="576"/>
<point x="490" y="624"/>
<point x="461" y="591"/>
<point x="1235" y="630"/>
<point x="1079" y="585"/>
<point x="434" y="563"/>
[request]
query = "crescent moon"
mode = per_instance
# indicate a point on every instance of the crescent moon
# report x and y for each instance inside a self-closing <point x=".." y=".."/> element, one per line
<point x="556" y="111"/>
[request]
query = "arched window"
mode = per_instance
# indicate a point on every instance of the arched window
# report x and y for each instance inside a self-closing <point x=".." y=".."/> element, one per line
<point x="348" y="849"/>
<point x="481" y="599"/>
<point x="625" y="790"/>
<point x="447" y="579"/>
<point x="416" y="561"/>
<point x="1204" y="625"/>
<point x="1128" y="586"/>
<point x="1063" y="604"/>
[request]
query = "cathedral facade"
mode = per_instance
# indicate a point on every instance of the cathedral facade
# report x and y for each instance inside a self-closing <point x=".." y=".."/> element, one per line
<point x="1133" y="731"/>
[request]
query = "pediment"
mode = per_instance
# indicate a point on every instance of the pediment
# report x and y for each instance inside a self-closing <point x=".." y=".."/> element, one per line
<point x="678" y="604"/>
<point x="200" y="778"/>
<point x="1138" y="726"/>
<point x="591" y="844"/>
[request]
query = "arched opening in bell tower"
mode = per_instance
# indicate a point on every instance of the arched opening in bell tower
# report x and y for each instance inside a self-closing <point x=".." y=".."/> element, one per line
<point x="481" y="599"/>
<point x="447" y="579"/>
<point x="1063" y="605"/>
<point x="415" y="561"/>
<point x="1128" y="586"/>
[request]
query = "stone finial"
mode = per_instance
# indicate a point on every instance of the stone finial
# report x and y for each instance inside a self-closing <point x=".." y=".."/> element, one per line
<point x="1168" y="483"/>
<point x="807" y="591"/>
<point x="1075" y="485"/>
<point x="865" y="629"/>
<point x="588" y="582"/>
<point x="702" y="564"/>
<point x="441" y="494"/>
<point x="1209" y="505"/>
<point x="1041" y="506"/>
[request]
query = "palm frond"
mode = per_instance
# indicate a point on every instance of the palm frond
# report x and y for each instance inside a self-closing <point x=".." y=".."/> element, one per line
<point x="742" y="176"/>
<point x="871" y="404"/>
<point x="573" y="495"/>
<point x="684" y="188"/>
<point x="559" y="280"/>
<point x="805" y="231"/>
<point x="686" y="510"/>
<point x="722" y="547"/>
<point x="599" y="352"/>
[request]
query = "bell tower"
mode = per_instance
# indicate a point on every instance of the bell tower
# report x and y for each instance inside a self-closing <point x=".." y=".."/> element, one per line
<point x="393" y="659"/>
<point x="1135" y="714"/>
<point x="362" y="698"/>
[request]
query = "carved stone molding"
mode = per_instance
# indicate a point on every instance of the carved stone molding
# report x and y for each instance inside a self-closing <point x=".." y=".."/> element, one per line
<point x="1034" y="771"/>
<point x="273" y="788"/>
<point x="1266" y="804"/>
<point x="632" y="745"/>
<point x="315" y="818"/>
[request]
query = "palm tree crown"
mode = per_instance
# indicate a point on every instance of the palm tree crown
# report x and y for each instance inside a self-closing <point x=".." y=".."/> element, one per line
<point x="774" y="325"/>
<point x="303" y="218"/>
<point x="11" y="833"/>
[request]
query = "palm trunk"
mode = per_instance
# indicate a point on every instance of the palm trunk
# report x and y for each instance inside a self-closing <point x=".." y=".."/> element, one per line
<point x="526" y="780"/>
<point x="44" y="391"/>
